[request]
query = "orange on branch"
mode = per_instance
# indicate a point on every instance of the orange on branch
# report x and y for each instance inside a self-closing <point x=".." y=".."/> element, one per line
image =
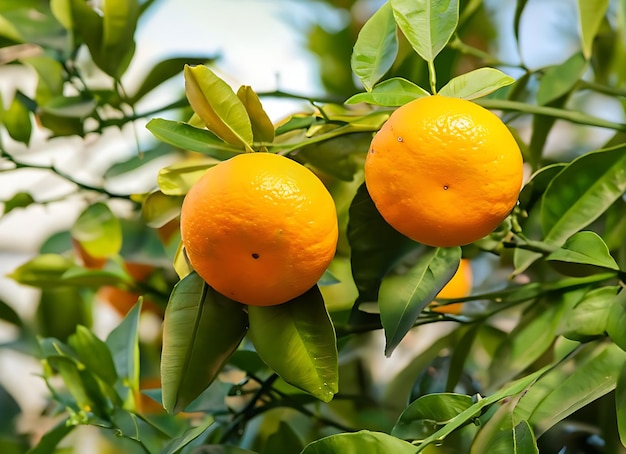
<point x="259" y="228"/>
<point x="444" y="171"/>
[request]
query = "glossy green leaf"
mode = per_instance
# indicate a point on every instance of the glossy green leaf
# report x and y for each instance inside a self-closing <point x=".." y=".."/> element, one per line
<point x="560" y="79"/>
<point x="77" y="107"/>
<point x="123" y="343"/>
<point x="49" y="441"/>
<point x="476" y="84"/>
<point x="620" y="405"/>
<point x="93" y="353"/>
<point x="589" y="317"/>
<point x="392" y="92"/>
<point x="8" y="314"/>
<point x="72" y="376"/>
<point x="83" y="277"/>
<point x="98" y="231"/>
<point x="262" y="127"/>
<point x="285" y="439"/>
<point x="340" y="157"/>
<point x="582" y="254"/>
<point x="428" y="414"/>
<point x="163" y="71"/>
<point x="42" y="271"/>
<point x="403" y="296"/>
<point x="118" y="30"/>
<point x="375" y="245"/>
<point x="475" y="410"/>
<point x="500" y="435"/>
<point x="297" y="340"/>
<point x="590" y="15"/>
<point x="582" y="192"/>
<point x="87" y="26"/>
<point x="376" y="47"/>
<point x="158" y="209"/>
<point x="218" y="106"/>
<point x="16" y="120"/>
<point x="364" y="441"/>
<point x="177" y="444"/>
<point x="177" y="179"/>
<point x="187" y="137"/>
<point x="587" y="376"/>
<point x="201" y="330"/>
<point x="427" y="24"/>
<point x="537" y="183"/>
<point x="50" y="77"/>
<point x="19" y="200"/>
<point x="60" y="311"/>
<point x="530" y="338"/>
<point x="617" y="319"/>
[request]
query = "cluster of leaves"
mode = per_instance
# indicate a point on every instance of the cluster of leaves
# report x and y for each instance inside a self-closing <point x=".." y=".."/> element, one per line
<point x="514" y="372"/>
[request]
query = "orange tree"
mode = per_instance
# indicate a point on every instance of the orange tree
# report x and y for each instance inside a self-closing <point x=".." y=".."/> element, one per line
<point x="535" y="359"/>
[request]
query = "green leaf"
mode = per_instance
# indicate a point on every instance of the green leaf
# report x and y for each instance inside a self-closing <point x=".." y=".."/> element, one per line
<point x="87" y="26"/>
<point x="472" y="412"/>
<point x="47" y="444"/>
<point x="177" y="179"/>
<point x="297" y="340"/>
<point x="50" y="77"/>
<point x="285" y="439"/>
<point x="76" y="107"/>
<point x="403" y="296"/>
<point x="186" y="137"/>
<point x="42" y="271"/>
<point x="530" y="338"/>
<point x="392" y="92"/>
<point x="364" y="441"/>
<point x="262" y="127"/>
<point x="475" y="84"/>
<point x="585" y="379"/>
<point x="338" y="156"/>
<point x="427" y="24"/>
<point x="177" y="444"/>
<point x="620" y="405"/>
<point x="561" y="79"/>
<point x="583" y="253"/>
<point x="98" y="231"/>
<point x="165" y="70"/>
<point x="19" y="200"/>
<point x="158" y="209"/>
<point x="221" y="449"/>
<point x="376" y="47"/>
<point x="617" y="319"/>
<point x="218" y="106"/>
<point x="93" y="353"/>
<point x="428" y="413"/>
<point x="590" y="15"/>
<point x="8" y="314"/>
<point x="60" y="310"/>
<point x="588" y="319"/>
<point x="375" y="245"/>
<point x="582" y="192"/>
<point x="123" y="343"/>
<point x="201" y="330"/>
<point x="118" y="30"/>
<point x="16" y="120"/>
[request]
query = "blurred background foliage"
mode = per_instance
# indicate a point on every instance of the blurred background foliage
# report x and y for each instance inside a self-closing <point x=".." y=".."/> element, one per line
<point x="73" y="142"/>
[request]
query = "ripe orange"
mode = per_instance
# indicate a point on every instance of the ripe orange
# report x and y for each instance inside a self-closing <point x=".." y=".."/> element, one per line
<point x="259" y="228"/>
<point x="444" y="171"/>
<point x="459" y="286"/>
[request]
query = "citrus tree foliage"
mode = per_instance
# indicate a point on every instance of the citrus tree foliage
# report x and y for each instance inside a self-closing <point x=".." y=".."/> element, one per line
<point x="535" y="360"/>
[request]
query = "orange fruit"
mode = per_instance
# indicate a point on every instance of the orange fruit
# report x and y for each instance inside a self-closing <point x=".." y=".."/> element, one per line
<point x="259" y="228"/>
<point x="458" y="287"/>
<point x="123" y="299"/>
<point x="444" y="171"/>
